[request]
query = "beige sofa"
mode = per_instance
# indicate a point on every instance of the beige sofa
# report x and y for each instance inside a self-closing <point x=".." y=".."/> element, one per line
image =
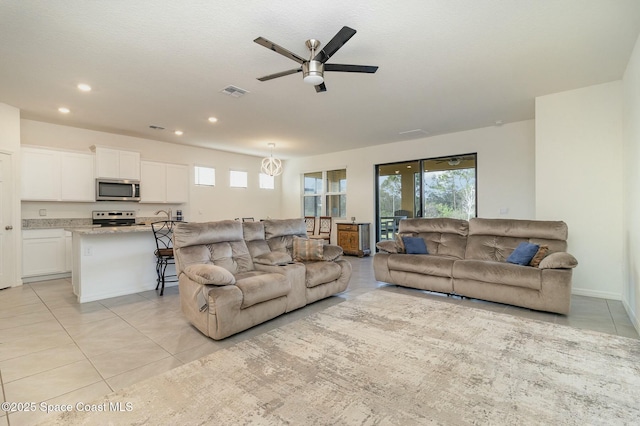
<point x="469" y="259"/>
<point x="235" y="275"/>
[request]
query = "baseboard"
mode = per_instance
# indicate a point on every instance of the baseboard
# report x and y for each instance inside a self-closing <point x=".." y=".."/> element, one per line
<point x="634" y="319"/>
<point x="596" y="293"/>
<point x="26" y="280"/>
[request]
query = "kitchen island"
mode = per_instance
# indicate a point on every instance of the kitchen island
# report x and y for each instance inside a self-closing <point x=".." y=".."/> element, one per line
<point x="113" y="261"/>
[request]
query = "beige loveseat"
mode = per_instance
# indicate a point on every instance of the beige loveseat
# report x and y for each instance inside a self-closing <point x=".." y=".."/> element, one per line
<point x="469" y="259"/>
<point x="235" y="275"/>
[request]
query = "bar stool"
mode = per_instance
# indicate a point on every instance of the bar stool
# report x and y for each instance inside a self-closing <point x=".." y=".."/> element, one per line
<point x="163" y="233"/>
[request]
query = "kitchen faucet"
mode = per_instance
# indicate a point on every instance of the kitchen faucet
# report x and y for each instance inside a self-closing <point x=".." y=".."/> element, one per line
<point x="168" y="213"/>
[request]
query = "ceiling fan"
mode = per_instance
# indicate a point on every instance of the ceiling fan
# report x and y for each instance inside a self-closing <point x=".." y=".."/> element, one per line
<point x="313" y="68"/>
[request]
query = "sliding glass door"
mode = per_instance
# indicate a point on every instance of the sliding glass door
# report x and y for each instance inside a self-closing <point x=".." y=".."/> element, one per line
<point x="398" y="195"/>
<point x="433" y="187"/>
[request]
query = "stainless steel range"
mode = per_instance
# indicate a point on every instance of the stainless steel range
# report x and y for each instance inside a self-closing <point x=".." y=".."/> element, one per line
<point x="114" y="218"/>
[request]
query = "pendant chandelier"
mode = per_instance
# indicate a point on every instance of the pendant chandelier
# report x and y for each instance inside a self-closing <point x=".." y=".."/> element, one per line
<point x="271" y="165"/>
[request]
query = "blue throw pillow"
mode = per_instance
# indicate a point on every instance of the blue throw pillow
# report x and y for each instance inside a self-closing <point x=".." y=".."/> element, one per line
<point x="415" y="245"/>
<point x="523" y="254"/>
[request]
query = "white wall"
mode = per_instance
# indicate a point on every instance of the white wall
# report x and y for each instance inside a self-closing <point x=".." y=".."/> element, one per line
<point x="579" y="179"/>
<point x="631" y="128"/>
<point x="505" y="170"/>
<point x="10" y="144"/>
<point x="206" y="203"/>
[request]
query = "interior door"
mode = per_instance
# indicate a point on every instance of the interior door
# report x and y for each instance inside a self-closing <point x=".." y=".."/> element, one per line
<point x="7" y="257"/>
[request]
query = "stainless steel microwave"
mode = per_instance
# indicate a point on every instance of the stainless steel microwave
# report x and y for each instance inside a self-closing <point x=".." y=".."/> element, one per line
<point x="117" y="190"/>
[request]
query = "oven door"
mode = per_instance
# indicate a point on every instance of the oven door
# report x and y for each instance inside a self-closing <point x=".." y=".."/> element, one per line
<point x="117" y="190"/>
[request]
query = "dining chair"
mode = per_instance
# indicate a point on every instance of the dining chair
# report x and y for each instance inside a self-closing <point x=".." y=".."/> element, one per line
<point x="310" y="221"/>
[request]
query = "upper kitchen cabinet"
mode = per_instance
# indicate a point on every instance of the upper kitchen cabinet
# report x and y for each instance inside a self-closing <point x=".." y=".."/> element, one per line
<point x="117" y="164"/>
<point x="50" y="175"/>
<point x="163" y="182"/>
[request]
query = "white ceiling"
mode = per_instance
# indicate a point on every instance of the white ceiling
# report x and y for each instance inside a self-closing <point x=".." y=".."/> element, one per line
<point x="445" y="66"/>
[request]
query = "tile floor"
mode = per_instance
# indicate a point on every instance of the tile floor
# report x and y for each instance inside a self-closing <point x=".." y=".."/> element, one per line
<point x="55" y="350"/>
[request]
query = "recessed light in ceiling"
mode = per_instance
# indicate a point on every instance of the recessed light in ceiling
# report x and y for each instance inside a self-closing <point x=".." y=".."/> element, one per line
<point x="64" y="110"/>
<point x="178" y="132"/>
<point x="212" y="120"/>
<point x="84" y="87"/>
<point x="499" y="122"/>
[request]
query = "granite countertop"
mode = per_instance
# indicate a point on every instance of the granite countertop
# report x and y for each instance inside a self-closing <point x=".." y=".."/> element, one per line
<point x="110" y="229"/>
<point x="55" y="223"/>
<point x="73" y="224"/>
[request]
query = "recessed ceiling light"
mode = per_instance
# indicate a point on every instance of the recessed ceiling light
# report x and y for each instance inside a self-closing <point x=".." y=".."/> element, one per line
<point x="397" y="171"/>
<point x="408" y="167"/>
<point x="64" y="110"/>
<point x="499" y="122"/>
<point x="212" y="119"/>
<point x="84" y="87"/>
<point x="178" y="132"/>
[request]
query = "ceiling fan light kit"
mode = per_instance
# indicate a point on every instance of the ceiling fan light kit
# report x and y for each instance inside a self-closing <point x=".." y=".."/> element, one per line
<point x="313" y="69"/>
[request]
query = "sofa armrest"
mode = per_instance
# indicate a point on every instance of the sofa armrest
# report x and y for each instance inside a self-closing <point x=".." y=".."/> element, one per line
<point x="387" y="246"/>
<point x="331" y="252"/>
<point x="208" y="274"/>
<point x="558" y="260"/>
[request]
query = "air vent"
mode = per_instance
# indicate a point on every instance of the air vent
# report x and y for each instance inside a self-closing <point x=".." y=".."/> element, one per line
<point x="156" y="127"/>
<point x="234" y="91"/>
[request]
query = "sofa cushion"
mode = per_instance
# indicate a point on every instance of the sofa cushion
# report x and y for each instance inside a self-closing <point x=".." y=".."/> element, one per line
<point x="523" y="254"/>
<point x="440" y="266"/>
<point x="498" y="273"/>
<point x="208" y="274"/>
<point x="414" y="245"/>
<point x="542" y="252"/>
<point x="400" y="242"/>
<point x="305" y="249"/>
<point x="560" y="260"/>
<point x="257" y="287"/>
<point x="273" y="258"/>
<point x="443" y="236"/>
<point x="321" y="273"/>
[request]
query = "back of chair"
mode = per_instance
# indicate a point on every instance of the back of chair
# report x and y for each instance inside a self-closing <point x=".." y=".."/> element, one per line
<point x="163" y="233"/>
<point x="310" y="221"/>
<point x="324" y="227"/>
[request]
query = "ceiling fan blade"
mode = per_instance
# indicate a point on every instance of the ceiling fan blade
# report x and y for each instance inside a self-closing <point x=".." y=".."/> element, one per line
<point x="279" y="49"/>
<point x="279" y="74"/>
<point x="350" y="68"/>
<point x="334" y="44"/>
<point x="321" y="88"/>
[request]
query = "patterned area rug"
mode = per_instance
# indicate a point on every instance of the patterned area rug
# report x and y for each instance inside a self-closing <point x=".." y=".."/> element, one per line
<point x="388" y="358"/>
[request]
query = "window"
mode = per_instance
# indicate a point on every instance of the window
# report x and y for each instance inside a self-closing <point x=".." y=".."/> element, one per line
<point x="434" y="187"/>
<point x="325" y="193"/>
<point x="205" y="176"/>
<point x="237" y="179"/>
<point x="267" y="182"/>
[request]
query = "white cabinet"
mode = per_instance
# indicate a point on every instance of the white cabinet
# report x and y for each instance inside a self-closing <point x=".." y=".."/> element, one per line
<point x="163" y="182"/>
<point x="76" y="175"/>
<point x="117" y="164"/>
<point x="68" y="253"/>
<point x="50" y="175"/>
<point x="44" y="252"/>
<point x="40" y="174"/>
